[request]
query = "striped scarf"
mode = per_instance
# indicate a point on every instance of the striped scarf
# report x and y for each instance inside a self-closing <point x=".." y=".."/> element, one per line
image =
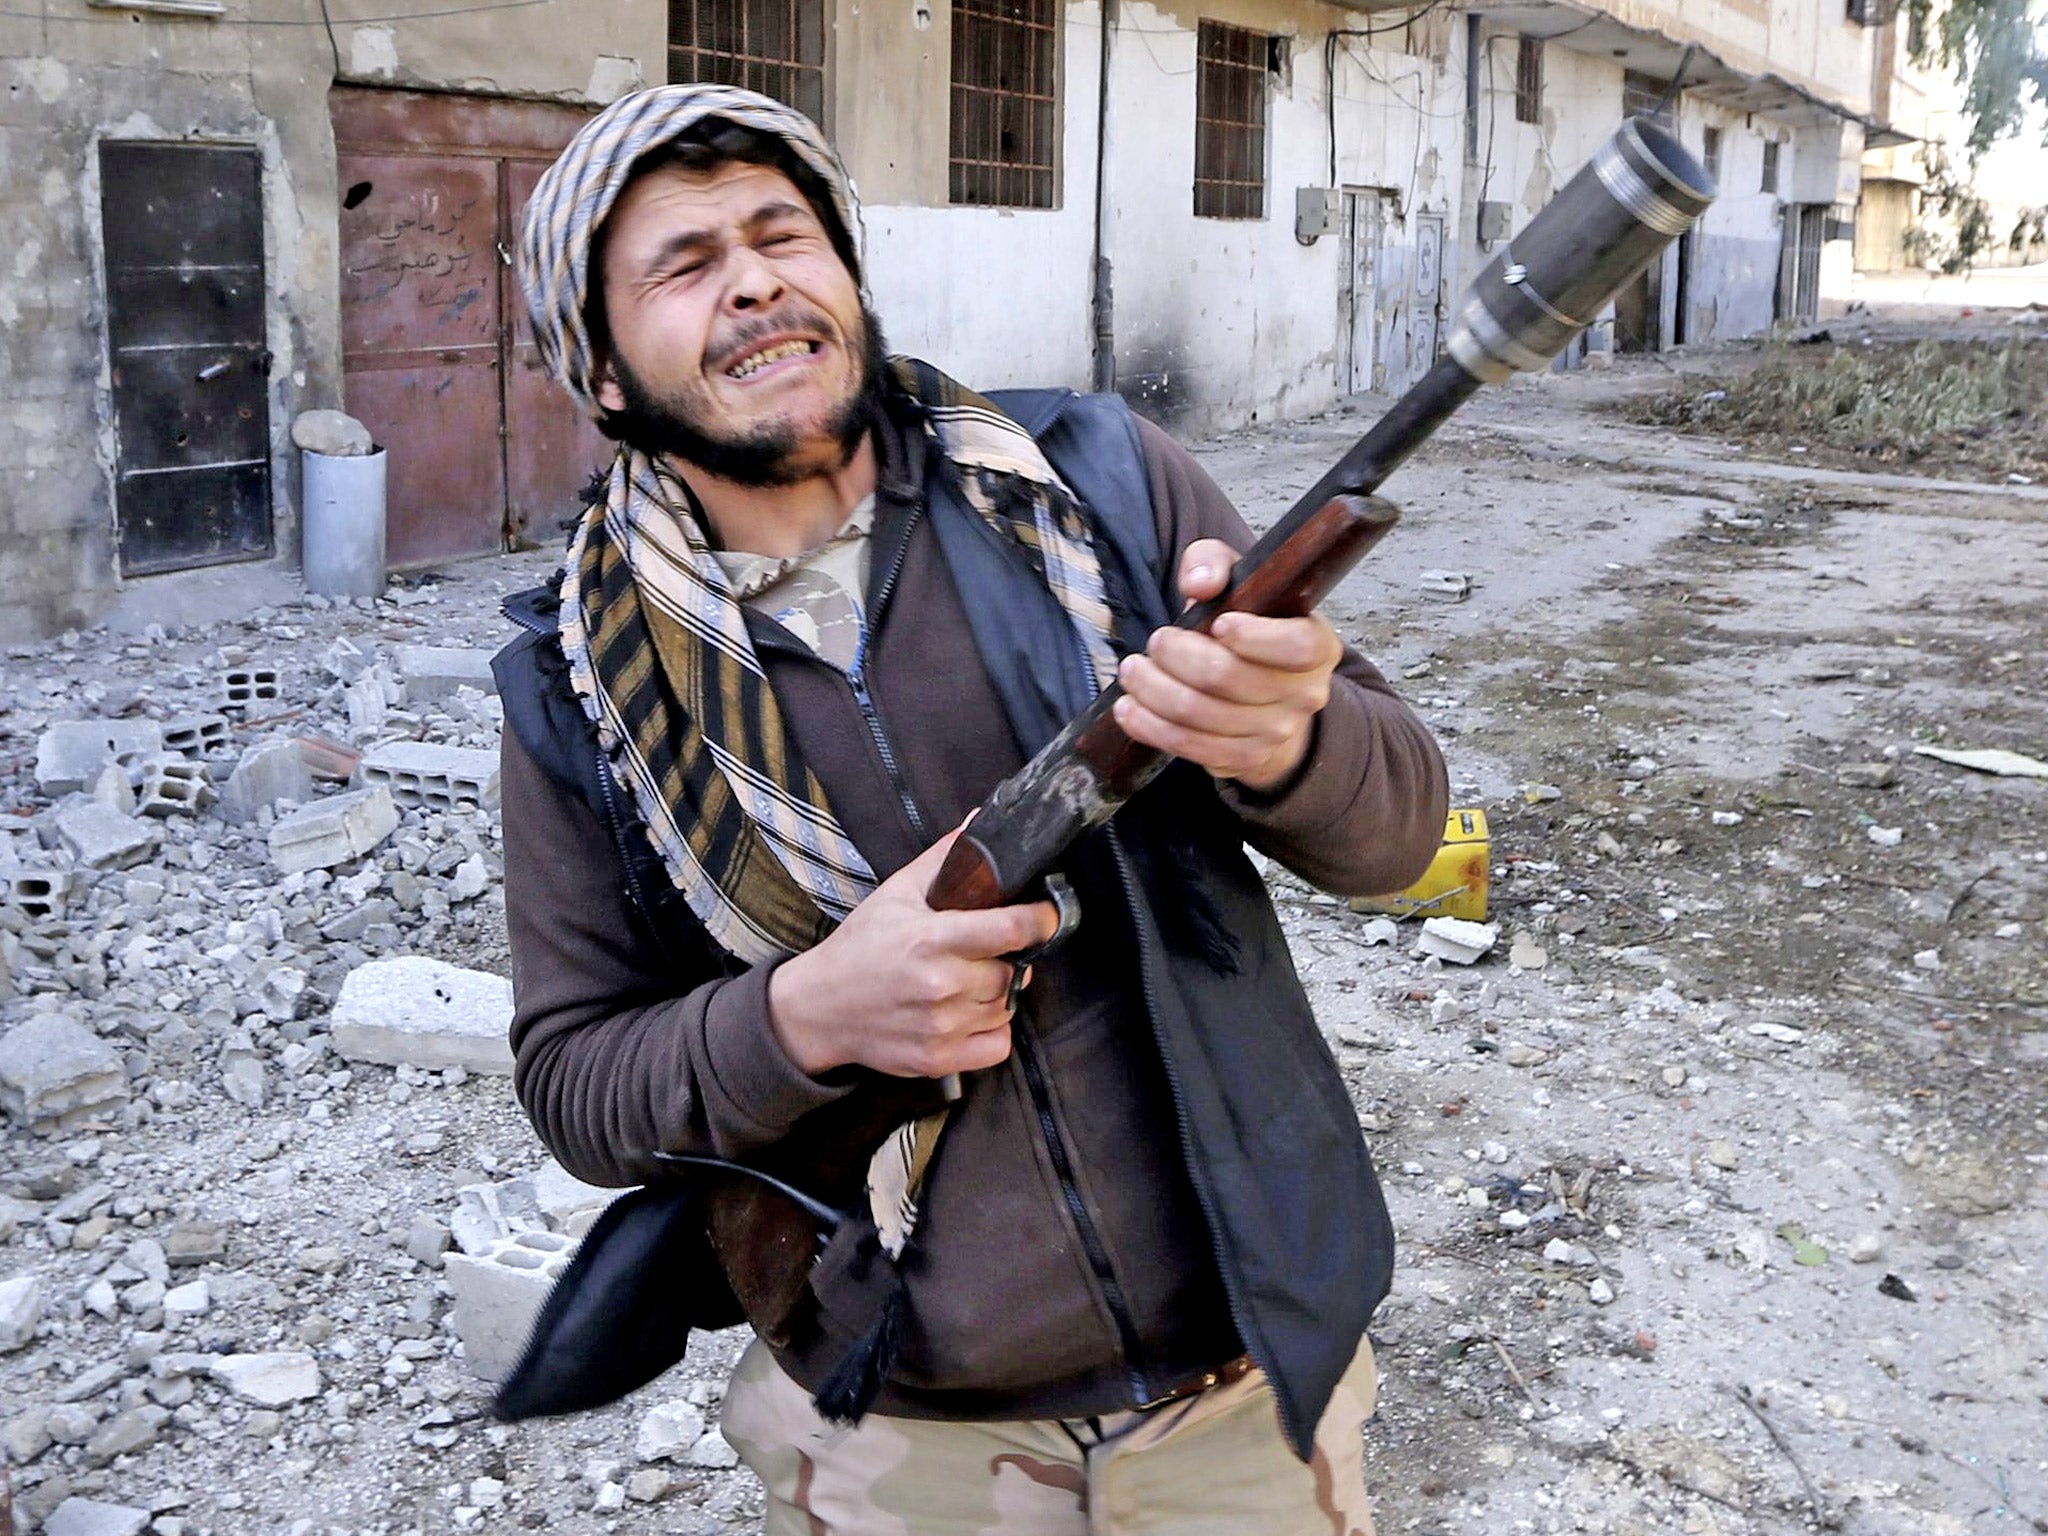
<point x="660" y="658"/>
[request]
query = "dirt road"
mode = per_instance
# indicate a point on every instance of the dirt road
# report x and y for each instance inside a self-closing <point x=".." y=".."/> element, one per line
<point x="1722" y="1213"/>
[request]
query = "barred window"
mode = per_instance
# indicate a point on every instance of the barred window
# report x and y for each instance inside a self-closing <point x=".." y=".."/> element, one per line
<point x="1710" y="151"/>
<point x="1529" y="81"/>
<point x="1005" y="103"/>
<point x="1230" y="121"/>
<point x="1640" y="93"/>
<point x="776" y="47"/>
<point x="1770" y="181"/>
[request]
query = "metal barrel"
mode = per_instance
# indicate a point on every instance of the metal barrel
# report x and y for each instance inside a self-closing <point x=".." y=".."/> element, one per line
<point x="1642" y="190"/>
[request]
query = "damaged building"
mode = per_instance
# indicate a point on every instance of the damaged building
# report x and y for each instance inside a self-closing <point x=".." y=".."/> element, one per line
<point x="227" y="214"/>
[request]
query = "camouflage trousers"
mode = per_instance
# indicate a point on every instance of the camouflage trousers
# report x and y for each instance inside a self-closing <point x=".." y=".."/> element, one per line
<point x="1214" y="1464"/>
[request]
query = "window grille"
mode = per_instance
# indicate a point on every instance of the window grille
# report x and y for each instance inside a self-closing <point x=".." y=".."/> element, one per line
<point x="1230" y="121"/>
<point x="1640" y="93"/>
<point x="1770" y="179"/>
<point x="1004" y="120"/>
<point x="1710" y="151"/>
<point x="1529" y="81"/>
<point x="776" y="47"/>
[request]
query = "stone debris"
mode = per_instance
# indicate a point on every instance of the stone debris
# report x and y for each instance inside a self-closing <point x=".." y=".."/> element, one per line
<point x="433" y="673"/>
<point x="669" y="1431"/>
<point x="424" y="1013"/>
<point x="498" y="1293"/>
<point x="420" y="773"/>
<point x="1878" y="775"/>
<point x="89" y="1517"/>
<point x="268" y="772"/>
<point x="270" y="1380"/>
<point x="100" y="837"/>
<point x="333" y="831"/>
<point x="1456" y="940"/>
<point x="71" y="754"/>
<point x="336" y="434"/>
<point x="1445" y="586"/>
<point x="22" y="1300"/>
<point x="55" y="1073"/>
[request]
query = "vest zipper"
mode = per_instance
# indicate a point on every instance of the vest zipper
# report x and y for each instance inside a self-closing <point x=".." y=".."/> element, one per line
<point x="857" y="680"/>
<point x="1240" y="1316"/>
<point x="1084" y="1224"/>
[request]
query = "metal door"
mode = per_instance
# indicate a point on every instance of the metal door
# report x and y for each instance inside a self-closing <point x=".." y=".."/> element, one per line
<point x="1358" y="297"/>
<point x="420" y="306"/>
<point x="1426" y="316"/>
<point x="184" y="249"/>
<point x="437" y="355"/>
<point x="550" y="446"/>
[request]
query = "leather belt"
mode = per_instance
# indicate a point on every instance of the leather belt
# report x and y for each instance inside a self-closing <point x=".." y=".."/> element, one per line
<point x="1222" y="1376"/>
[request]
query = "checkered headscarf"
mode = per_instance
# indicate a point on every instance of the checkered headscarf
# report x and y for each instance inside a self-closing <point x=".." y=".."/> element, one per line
<point x="579" y="189"/>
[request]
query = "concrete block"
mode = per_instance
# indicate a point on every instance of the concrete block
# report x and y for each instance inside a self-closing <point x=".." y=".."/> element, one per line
<point x="70" y="754"/>
<point x="90" y="1517"/>
<point x="418" y="1012"/>
<point x="100" y="837"/>
<point x="434" y="672"/>
<point x="197" y="737"/>
<point x="241" y="687"/>
<point x="498" y="1294"/>
<point x="333" y="831"/>
<point x="268" y="1380"/>
<point x="22" y="1302"/>
<point x="445" y="778"/>
<point x="174" y="787"/>
<point x="37" y="892"/>
<point x="487" y="1214"/>
<point x="54" y="1073"/>
<point x="269" y="772"/>
<point x="569" y="1204"/>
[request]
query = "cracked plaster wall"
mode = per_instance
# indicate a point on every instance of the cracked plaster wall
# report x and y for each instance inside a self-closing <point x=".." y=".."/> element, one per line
<point x="77" y="76"/>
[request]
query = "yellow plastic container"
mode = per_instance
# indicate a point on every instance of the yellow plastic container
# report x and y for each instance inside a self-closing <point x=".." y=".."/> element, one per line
<point x="1457" y="881"/>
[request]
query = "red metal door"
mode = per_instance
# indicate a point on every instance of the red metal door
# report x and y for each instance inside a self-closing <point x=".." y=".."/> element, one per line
<point x="437" y="356"/>
<point x="551" y="448"/>
<point x="420" y="309"/>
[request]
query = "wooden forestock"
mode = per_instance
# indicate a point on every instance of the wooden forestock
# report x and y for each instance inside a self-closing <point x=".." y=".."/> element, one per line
<point x="1085" y="773"/>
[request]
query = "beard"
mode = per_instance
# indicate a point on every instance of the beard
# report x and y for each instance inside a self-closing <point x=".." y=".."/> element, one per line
<point x="658" y="424"/>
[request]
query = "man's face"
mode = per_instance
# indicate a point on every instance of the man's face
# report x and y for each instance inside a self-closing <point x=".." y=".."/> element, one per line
<point x="738" y="339"/>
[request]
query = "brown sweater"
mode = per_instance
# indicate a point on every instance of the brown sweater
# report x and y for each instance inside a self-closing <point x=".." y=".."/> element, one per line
<point x="1065" y="1267"/>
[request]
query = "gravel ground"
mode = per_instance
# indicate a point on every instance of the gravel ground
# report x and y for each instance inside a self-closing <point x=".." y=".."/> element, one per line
<point x="1719" y="1181"/>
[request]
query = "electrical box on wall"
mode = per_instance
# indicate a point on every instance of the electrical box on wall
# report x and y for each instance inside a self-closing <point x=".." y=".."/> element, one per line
<point x="1496" y="223"/>
<point x="1317" y="212"/>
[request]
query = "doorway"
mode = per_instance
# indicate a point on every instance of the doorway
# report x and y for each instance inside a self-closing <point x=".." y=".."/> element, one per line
<point x="485" y="451"/>
<point x="183" y="225"/>
<point x="1806" y="228"/>
<point x="1359" y="364"/>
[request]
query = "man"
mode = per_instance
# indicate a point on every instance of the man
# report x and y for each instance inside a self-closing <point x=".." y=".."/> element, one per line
<point x="825" y="602"/>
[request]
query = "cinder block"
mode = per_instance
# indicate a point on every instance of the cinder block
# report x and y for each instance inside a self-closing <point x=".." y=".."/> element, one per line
<point x="71" y="753"/>
<point x="38" y="892"/>
<point x="444" y="778"/>
<point x="434" y="672"/>
<point x="196" y="736"/>
<point x="55" y="1072"/>
<point x="498" y="1294"/>
<point x="173" y="787"/>
<point x="413" y="1011"/>
<point x="100" y="837"/>
<point x="242" y="686"/>
<point x="331" y="832"/>
<point x="269" y="772"/>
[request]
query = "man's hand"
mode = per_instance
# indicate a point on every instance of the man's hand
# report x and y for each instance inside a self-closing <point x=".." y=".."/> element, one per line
<point x="1241" y="700"/>
<point x="903" y="989"/>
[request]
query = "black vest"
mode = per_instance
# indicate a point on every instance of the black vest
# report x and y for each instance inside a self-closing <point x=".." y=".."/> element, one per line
<point x="1268" y="1132"/>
